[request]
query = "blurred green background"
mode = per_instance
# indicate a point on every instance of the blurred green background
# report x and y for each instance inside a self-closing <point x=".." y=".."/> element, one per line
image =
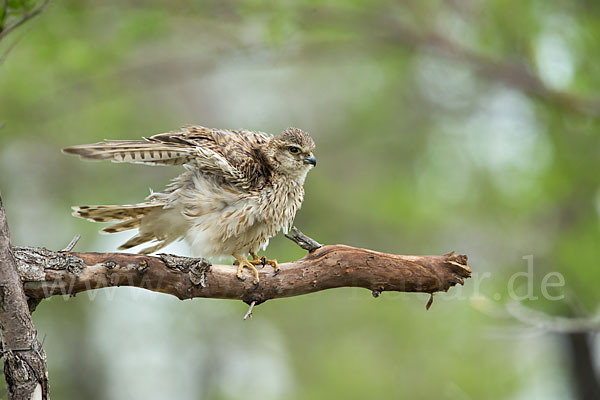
<point x="440" y="125"/>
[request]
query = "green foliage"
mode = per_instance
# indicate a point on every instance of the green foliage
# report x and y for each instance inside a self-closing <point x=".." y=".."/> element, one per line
<point x="12" y="11"/>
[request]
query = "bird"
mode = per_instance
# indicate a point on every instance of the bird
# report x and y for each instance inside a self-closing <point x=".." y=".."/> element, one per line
<point x="238" y="189"/>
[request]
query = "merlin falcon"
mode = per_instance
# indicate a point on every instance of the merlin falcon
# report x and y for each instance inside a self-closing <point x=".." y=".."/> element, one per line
<point x="238" y="189"/>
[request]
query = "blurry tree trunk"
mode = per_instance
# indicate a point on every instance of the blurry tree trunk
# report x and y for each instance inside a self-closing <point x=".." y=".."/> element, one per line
<point x="25" y="367"/>
<point x="583" y="370"/>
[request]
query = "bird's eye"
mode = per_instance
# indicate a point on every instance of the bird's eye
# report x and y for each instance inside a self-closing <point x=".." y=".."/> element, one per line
<point x="294" y="150"/>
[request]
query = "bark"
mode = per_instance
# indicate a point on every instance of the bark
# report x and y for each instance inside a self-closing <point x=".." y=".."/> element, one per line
<point x="24" y="358"/>
<point x="47" y="273"/>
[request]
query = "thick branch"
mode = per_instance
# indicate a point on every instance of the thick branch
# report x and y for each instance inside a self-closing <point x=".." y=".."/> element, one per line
<point x="46" y="273"/>
<point x="25" y="360"/>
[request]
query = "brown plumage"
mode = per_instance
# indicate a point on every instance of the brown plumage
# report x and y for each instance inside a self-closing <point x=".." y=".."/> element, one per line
<point x="239" y="188"/>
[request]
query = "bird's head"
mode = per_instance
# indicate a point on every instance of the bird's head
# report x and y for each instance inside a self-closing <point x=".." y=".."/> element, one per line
<point x="291" y="153"/>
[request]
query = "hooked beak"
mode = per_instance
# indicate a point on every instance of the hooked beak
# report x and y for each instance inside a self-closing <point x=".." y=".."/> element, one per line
<point x="311" y="160"/>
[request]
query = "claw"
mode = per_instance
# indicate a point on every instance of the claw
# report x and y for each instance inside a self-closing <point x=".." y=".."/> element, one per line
<point x="256" y="260"/>
<point x="242" y="262"/>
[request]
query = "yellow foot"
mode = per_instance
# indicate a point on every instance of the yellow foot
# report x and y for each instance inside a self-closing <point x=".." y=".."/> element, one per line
<point x="242" y="262"/>
<point x="263" y="261"/>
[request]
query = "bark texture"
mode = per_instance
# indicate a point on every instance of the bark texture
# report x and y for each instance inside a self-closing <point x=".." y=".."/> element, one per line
<point x="47" y="273"/>
<point x="24" y="358"/>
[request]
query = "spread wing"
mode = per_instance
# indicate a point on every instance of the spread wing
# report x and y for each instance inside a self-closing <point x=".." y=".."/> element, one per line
<point x="236" y="157"/>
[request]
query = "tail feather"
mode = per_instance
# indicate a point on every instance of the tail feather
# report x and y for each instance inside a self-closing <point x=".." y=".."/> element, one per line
<point x="123" y="226"/>
<point x="138" y="239"/>
<point x="130" y="217"/>
<point x="115" y="213"/>
<point x="132" y="151"/>
<point x="156" y="247"/>
<point x="142" y="238"/>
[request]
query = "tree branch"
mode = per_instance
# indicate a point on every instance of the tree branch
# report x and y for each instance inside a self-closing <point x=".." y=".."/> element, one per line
<point x="25" y="360"/>
<point x="26" y="17"/>
<point x="47" y="273"/>
<point x="302" y="240"/>
<point x="39" y="273"/>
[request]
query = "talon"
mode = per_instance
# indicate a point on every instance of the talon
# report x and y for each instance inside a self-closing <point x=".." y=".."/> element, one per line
<point x="256" y="284"/>
<point x="242" y="263"/>
<point x="263" y="261"/>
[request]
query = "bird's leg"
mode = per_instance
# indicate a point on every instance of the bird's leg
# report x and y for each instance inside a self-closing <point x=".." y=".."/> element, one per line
<point x="242" y="262"/>
<point x="256" y="260"/>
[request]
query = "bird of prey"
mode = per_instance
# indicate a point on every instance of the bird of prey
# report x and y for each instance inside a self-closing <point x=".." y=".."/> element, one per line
<point x="237" y="190"/>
